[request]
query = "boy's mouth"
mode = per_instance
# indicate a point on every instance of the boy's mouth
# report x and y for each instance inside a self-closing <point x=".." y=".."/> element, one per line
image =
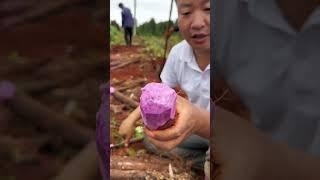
<point x="199" y="38"/>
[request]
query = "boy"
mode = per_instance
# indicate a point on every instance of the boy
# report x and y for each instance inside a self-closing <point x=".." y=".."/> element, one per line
<point x="187" y="66"/>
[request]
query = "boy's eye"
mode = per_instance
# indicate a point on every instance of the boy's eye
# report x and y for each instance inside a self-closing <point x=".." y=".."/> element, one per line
<point x="207" y="9"/>
<point x="185" y="13"/>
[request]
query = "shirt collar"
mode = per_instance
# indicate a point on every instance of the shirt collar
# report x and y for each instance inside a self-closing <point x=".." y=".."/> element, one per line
<point x="268" y="12"/>
<point x="190" y="59"/>
<point x="187" y="55"/>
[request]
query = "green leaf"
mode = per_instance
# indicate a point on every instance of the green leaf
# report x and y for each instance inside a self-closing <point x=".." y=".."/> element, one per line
<point x="138" y="132"/>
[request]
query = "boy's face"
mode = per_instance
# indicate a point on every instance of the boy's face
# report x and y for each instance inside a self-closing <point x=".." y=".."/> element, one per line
<point x="194" y="22"/>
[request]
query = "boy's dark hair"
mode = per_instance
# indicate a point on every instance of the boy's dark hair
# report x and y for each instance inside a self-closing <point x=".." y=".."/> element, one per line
<point x="120" y="5"/>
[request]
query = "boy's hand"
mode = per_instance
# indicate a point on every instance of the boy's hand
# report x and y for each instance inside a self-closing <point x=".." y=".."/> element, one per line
<point x="126" y="129"/>
<point x="127" y="126"/>
<point x="184" y="125"/>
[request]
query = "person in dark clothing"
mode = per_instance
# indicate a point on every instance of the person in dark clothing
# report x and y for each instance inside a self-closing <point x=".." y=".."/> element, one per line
<point x="127" y="23"/>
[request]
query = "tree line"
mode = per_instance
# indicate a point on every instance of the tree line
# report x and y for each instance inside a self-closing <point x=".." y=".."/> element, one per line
<point x="149" y="28"/>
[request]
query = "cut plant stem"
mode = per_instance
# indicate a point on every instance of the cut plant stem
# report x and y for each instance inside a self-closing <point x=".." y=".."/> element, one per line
<point x="132" y="141"/>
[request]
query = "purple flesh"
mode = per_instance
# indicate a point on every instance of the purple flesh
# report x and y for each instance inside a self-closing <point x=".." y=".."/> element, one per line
<point x="158" y="105"/>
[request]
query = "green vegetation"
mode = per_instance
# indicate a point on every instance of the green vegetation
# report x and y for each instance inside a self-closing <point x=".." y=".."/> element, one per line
<point x="150" y="35"/>
<point x="152" y="28"/>
<point x="154" y="45"/>
<point x="116" y="36"/>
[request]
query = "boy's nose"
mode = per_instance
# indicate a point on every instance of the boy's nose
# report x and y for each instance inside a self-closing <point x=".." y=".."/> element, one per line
<point x="198" y="21"/>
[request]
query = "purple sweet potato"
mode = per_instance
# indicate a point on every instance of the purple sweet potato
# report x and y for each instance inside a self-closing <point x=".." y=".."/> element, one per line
<point x="158" y="105"/>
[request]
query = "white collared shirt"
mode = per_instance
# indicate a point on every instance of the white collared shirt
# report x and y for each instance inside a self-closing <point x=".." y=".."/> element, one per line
<point x="273" y="68"/>
<point x="181" y="69"/>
